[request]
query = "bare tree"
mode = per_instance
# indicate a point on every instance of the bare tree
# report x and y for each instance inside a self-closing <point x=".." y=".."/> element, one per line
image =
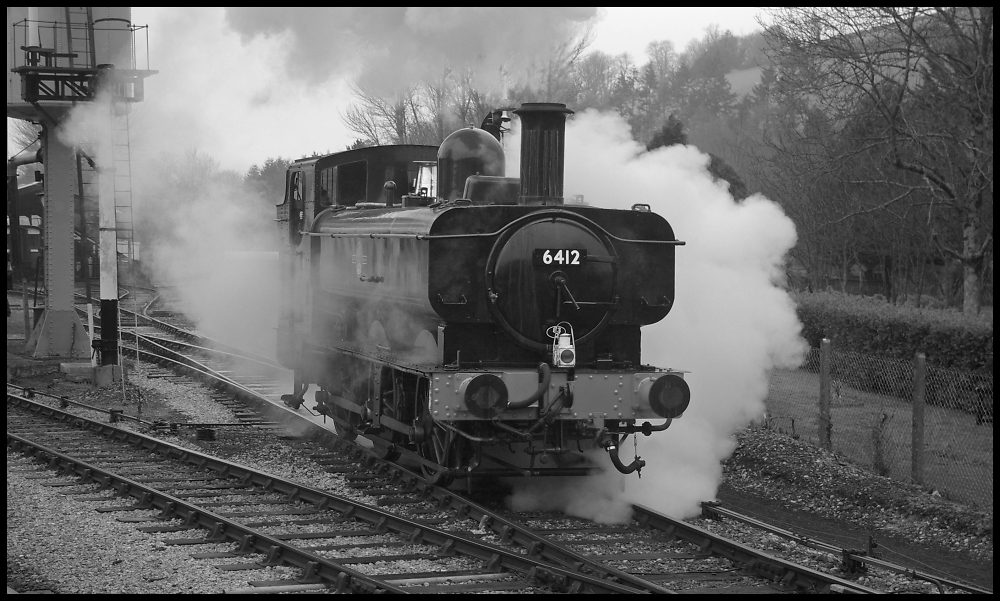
<point x="909" y="92"/>
<point x="383" y="120"/>
<point x="552" y="78"/>
<point x="662" y="58"/>
<point x="596" y="75"/>
<point x="437" y="96"/>
<point x="471" y="103"/>
<point x="427" y="112"/>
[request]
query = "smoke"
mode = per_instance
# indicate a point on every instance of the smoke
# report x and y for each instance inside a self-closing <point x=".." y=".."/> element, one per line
<point x="212" y="240"/>
<point x="213" y="107"/>
<point x="237" y="86"/>
<point x="400" y="46"/>
<point x="731" y="322"/>
<point x="232" y="100"/>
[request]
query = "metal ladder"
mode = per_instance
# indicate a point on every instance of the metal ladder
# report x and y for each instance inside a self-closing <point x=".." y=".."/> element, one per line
<point x="118" y="167"/>
<point x="80" y="37"/>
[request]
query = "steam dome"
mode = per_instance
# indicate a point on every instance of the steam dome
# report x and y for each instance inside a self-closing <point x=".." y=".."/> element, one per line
<point x="466" y="152"/>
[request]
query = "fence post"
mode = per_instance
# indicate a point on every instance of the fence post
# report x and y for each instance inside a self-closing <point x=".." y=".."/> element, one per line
<point x="919" y="394"/>
<point x="825" y="425"/>
<point x="27" y="313"/>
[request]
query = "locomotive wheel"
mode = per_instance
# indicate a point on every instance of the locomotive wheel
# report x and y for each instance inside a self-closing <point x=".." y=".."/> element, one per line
<point x="385" y="453"/>
<point x="349" y="433"/>
<point x="440" y="445"/>
<point x="390" y="400"/>
<point x="351" y="418"/>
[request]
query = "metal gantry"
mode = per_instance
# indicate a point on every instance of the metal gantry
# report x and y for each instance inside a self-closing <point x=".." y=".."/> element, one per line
<point x="63" y="61"/>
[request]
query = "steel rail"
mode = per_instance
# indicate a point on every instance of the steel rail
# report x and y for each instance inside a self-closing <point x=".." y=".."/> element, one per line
<point x="315" y="568"/>
<point x="494" y="556"/>
<point x="65" y="401"/>
<point x="209" y="349"/>
<point x="192" y="367"/>
<point x="192" y="338"/>
<point x="779" y="570"/>
<point x="714" y="508"/>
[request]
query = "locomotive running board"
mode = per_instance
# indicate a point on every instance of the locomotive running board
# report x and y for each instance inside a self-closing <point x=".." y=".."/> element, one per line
<point x="506" y="470"/>
<point x="536" y="471"/>
<point x="376" y="420"/>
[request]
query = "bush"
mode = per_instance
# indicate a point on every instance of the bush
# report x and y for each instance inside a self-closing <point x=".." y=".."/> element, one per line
<point x="871" y="326"/>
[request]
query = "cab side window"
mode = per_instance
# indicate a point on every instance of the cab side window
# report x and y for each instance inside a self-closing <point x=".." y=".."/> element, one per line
<point x="352" y="183"/>
<point x="326" y="183"/>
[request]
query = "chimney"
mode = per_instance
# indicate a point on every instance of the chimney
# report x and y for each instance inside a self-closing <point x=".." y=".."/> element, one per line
<point x="543" y="141"/>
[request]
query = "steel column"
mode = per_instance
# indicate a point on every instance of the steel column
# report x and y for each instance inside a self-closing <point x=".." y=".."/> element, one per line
<point x="59" y="332"/>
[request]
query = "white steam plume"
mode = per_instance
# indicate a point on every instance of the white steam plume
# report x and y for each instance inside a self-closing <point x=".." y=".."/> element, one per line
<point x="214" y="243"/>
<point x="244" y="84"/>
<point x="400" y="46"/>
<point x="731" y="321"/>
<point x="228" y="291"/>
<point x="206" y="234"/>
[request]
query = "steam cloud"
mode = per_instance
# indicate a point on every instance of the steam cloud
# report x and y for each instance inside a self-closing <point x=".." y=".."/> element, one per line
<point x="220" y="261"/>
<point x="402" y="45"/>
<point x="243" y="84"/>
<point x="731" y="320"/>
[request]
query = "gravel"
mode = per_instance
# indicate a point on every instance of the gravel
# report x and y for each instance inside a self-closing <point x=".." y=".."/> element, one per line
<point x="805" y="477"/>
<point x="57" y="543"/>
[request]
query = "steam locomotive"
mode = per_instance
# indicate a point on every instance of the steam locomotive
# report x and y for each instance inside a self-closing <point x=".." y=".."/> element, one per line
<point x="476" y="324"/>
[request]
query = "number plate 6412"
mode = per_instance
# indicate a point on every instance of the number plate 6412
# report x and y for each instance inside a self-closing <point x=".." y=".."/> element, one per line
<point x="559" y="256"/>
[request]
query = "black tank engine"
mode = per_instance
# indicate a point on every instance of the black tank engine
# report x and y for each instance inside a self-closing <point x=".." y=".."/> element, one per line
<point x="477" y="324"/>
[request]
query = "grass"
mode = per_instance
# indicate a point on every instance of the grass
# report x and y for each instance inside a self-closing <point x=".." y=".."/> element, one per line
<point x="875" y="431"/>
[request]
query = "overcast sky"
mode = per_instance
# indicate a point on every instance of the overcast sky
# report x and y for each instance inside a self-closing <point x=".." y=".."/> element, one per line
<point x="632" y="29"/>
<point x="262" y="82"/>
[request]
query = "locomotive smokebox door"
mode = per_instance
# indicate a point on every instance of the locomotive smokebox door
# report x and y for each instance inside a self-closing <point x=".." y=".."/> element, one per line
<point x="555" y="267"/>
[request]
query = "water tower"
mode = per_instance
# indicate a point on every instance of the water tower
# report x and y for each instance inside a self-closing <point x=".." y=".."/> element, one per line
<point x="70" y="67"/>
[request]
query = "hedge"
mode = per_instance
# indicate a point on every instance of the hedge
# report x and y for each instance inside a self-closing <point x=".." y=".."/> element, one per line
<point x="872" y="326"/>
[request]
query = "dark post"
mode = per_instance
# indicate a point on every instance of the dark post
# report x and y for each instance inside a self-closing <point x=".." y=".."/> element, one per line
<point x="919" y="394"/>
<point x="24" y="306"/>
<point x="825" y="425"/>
<point x="14" y="229"/>
<point x="109" y="332"/>
<point x="543" y="154"/>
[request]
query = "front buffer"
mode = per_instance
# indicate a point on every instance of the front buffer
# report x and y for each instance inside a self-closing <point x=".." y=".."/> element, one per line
<point x="556" y="414"/>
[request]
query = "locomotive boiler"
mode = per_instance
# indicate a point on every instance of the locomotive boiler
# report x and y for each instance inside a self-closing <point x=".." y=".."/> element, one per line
<point x="476" y="324"/>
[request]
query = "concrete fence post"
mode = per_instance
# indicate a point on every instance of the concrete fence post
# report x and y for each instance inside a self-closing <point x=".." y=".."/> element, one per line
<point x="919" y="398"/>
<point x="825" y="424"/>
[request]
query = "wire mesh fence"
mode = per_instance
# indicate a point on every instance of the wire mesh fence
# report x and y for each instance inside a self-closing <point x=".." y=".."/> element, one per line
<point x="900" y="419"/>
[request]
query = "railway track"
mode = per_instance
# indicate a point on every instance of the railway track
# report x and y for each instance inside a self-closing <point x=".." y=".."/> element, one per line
<point x="662" y="554"/>
<point x="273" y="521"/>
<point x="390" y="484"/>
<point x="652" y="553"/>
<point x="854" y="561"/>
